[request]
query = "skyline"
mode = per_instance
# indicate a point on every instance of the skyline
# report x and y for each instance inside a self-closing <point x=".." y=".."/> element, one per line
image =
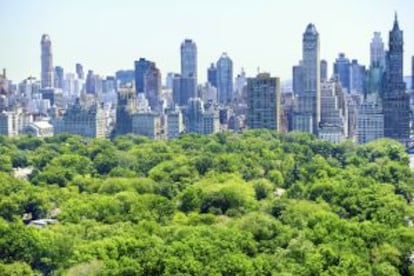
<point x="121" y="34"/>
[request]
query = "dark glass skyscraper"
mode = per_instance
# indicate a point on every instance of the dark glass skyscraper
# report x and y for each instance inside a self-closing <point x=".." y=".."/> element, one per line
<point x="212" y="75"/>
<point x="59" y="77"/>
<point x="47" y="62"/>
<point x="395" y="99"/>
<point x="342" y="71"/>
<point x="141" y="67"/>
<point x="225" y="79"/>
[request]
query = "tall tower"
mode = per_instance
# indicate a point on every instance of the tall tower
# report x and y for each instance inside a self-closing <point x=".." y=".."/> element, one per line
<point x="324" y="70"/>
<point x="308" y="110"/>
<point x="396" y="100"/>
<point x="152" y="87"/>
<point x="47" y="62"/>
<point x="263" y="102"/>
<point x="225" y="79"/>
<point x="141" y="67"/>
<point x="377" y="52"/>
<point x="212" y="75"/>
<point x="342" y="70"/>
<point x="189" y="59"/>
<point x="188" y="69"/>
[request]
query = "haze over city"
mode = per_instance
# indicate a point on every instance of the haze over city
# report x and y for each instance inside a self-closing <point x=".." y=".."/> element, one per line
<point x="107" y="36"/>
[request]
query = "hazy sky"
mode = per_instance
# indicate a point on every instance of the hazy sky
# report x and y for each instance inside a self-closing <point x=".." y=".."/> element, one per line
<point x="108" y="35"/>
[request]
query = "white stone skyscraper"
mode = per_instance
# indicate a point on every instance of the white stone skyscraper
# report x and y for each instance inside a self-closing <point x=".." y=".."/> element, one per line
<point x="377" y="51"/>
<point x="307" y="114"/>
<point x="46" y="61"/>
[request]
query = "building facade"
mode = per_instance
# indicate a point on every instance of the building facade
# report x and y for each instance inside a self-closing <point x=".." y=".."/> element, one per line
<point x="342" y="71"/>
<point x="395" y="99"/>
<point x="46" y="62"/>
<point x="141" y="67"/>
<point x="370" y="124"/>
<point x="263" y="102"/>
<point x="307" y="112"/>
<point x="225" y="79"/>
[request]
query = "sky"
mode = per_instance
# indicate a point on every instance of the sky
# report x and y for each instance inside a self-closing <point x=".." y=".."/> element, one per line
<point x="265" y="35"/>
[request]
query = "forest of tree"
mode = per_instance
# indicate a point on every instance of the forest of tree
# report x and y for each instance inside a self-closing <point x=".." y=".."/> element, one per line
<point x="257" y="203"/>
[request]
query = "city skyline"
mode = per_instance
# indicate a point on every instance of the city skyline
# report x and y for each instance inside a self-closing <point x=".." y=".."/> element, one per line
<point x="77" y="29"/>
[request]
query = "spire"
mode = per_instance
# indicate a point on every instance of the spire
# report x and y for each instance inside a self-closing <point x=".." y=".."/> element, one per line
<point x="396" y="26"/>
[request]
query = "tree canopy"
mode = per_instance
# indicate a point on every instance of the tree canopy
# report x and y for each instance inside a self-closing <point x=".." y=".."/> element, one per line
<point x="257" y="203"/>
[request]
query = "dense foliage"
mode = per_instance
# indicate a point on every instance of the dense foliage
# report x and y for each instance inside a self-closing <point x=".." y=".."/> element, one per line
<point x="258" y="203"/>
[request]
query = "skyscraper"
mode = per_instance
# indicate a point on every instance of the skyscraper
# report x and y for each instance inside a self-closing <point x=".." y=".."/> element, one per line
<point x="395" y="99"/>
<point x="90" y="84"/>
<point x="307" y="113"/>
<point x="188" y="84"/>
<point x="79" y="71"/>
<point x="225" y="79"/>
<point x="342" y="71"/>
<point x="297" y="79"/>
<point x="356" y="77"/>
<point x="189" y="59"/>
<point x="212" y="75"/>
<point x="377" y="51"/>
<point x="152" y="87"/>
<point x="59" y="72"/>
<point x="47" y="62"/>
<point x="141" y="67"/>
<point x="263" y="102"/>
<point x="324" y="70"/>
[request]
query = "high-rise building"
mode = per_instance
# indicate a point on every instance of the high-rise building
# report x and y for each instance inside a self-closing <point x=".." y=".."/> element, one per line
<point x="169" y="80"/>
<point x="47" y="62"/>
<point x="225" y="79"/>
<point x="297" y="79"/>
<point x="175" y="124"/>
<point x="240" y="85"/>
<point x="307" y="112"/>
<point x="152" y="87"/>
<point x="334" y="115"/>
<point x="127" y="104"/>
<point x="90" y="83"/>
<point x="377" y="51"/>
<point x="342" y="71"/>
<point x="141" y="67"/>
<point x="201" y="120"/>
<point x="356" y="77"/>
<point x="189" y="59"/>
<point x="59" y="79"/>
<point x="395" y="99"/>
<point x="188" y="52"/>
<point x="212" y="75"/>
<point x="79" y="71"/>
<point x="324" y="70"/>
<point x="370" y="123"/>
<point x="263" y="102"/>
